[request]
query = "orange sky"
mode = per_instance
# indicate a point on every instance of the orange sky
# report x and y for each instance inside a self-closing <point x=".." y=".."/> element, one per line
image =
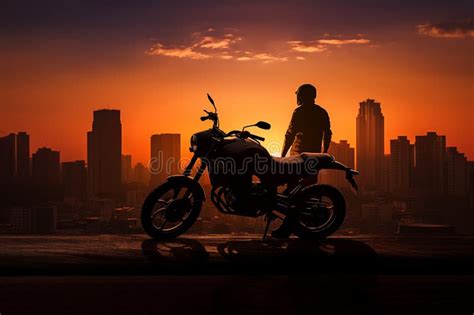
<point x="424" y="82"/>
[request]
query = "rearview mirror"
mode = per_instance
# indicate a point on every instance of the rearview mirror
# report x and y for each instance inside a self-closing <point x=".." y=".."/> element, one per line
<point x="263" y="125"/>
<point x="212" y="102"/>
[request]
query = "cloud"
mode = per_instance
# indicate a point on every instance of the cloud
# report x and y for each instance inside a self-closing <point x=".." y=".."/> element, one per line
<point x="244" y="58"/>
<point x="309" y="47"/>
<point x="343" y="41"/>
<point x="212" y="44"/>
<point x="321" y="45"/>
<point x="184" y="52"/>
<point x="267" y="58"/>
<point x="226" y="57"/>
<point x="200" y="46"/>
<point x="264" y="57"/>
<point x="218" y="43"/>
<point x="448" y="29"/>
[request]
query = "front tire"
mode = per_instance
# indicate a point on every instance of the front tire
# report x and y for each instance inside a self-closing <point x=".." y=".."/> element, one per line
<point x="321" y="210"/>
<point x="167" y="212"/>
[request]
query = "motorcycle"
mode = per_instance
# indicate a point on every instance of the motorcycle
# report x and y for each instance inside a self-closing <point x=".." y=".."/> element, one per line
<point x="244" y="181"/>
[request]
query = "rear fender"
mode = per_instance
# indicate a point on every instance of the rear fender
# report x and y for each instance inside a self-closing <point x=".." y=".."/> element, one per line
<point x="349" y="172"/>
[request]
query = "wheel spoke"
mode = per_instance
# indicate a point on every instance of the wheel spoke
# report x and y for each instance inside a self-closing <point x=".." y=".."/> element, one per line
<point x="163" y="224"/>
<point x="163" y="201"/>
<point x="157" y="212"/>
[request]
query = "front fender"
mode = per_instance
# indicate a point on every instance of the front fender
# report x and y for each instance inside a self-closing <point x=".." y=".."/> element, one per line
<point x="190" y="182"/>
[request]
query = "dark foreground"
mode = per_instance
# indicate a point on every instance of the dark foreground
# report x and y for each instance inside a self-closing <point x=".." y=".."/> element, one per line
<point x="131" y="274"/>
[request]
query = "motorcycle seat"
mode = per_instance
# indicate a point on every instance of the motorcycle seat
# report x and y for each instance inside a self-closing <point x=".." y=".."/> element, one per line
<point x="288" y="166"/>
<point x="287" y="160"/>
<point x="323" y="159"/>
<point x="293" y="165"/>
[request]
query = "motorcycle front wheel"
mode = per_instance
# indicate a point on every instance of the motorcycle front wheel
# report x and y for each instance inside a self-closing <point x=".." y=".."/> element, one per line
<point x="321" y="210"/>
<point x="170" y="210"/>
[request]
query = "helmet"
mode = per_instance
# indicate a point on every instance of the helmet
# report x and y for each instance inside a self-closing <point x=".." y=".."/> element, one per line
<point x="305" y="94"/>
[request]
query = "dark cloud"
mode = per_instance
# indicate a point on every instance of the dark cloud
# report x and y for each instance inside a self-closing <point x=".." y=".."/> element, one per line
<point x="449" y="29"/>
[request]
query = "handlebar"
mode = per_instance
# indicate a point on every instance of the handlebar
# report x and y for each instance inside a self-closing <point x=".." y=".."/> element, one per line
<point x="257" y="137"/>
<point x="244" y="135"/>
<point x="211" y="116"/>
<point x="241" y="134"/>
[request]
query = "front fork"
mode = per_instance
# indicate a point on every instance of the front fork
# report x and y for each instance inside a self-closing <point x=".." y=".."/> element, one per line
<point x="189" y="168"/>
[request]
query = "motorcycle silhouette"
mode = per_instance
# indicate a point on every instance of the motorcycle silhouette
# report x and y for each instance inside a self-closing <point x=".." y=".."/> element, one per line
<point x="245" y="180"/>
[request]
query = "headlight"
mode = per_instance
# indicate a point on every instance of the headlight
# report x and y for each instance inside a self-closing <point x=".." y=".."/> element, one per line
<point x="194" y="140"/>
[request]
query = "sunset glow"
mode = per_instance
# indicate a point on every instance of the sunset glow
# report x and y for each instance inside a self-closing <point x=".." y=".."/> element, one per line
<point x="55" y="74"/>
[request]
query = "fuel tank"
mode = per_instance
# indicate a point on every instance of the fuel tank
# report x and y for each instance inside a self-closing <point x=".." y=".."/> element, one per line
<point x="236" y="160"/>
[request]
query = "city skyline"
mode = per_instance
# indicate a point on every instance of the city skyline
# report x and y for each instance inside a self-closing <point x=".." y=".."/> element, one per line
<point x="275" y="147"/>
<point x="398" y="167"/>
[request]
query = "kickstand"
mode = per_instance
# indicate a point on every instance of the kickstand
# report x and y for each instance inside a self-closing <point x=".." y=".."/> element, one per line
<point x="269" y="218"/>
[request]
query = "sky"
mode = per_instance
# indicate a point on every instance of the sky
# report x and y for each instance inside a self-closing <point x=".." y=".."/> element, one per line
<point x="156" y="60"/>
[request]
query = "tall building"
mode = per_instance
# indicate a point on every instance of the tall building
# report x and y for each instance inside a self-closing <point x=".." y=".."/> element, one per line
<point x="343" y="153"/>
<point x="141" y="174"/>
<point x="457" y="171"/>
<point x="7" y="158"/>
<point x="23" y="156"/>
<point x="74" y="177"/>
<point x="370" y="144"/>
<point x="46" y="167"/>
<point x="470" y="180"/>
<point x="385" y="180"/>
<point x="165" y="156"/>
<point x="402" y="164"/>
<point x="430" y="158"/>
<point x="104" y="154"/>
<point x="126" y="169"/>
<point x="36" y="220"/>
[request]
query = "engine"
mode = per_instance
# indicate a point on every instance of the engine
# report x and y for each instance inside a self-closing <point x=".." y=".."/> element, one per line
<point x="251" y="203"/>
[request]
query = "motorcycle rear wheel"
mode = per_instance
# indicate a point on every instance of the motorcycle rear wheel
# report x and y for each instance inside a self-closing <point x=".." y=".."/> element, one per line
<point x="321" y="210"/>
<point x="168" y="213"/>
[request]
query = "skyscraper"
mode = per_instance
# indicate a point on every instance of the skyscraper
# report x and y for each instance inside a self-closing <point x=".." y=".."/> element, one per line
<point x="126" y="169"/>
<point x="22" y="155"/>
<point x="141" y="174"/>
<point x="46" y="168"/>
<point x="402" y="163"/>
<point x="370" y="144"/>
<point x="457" y="171"/>
<point x="74" y="177"/>
<point x="343" y="153"/>
<point x="470" y="180"/>
<point x="7" y="158"/>
<point x="385" y="171"/>
<point x="104" y="154"/>
<point x="165" y="156"/>
<point x="430" y="158"/>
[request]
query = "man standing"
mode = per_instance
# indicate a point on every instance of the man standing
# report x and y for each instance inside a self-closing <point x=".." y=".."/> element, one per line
<point x="309" y="129"/>
<point x="309" y="125"/>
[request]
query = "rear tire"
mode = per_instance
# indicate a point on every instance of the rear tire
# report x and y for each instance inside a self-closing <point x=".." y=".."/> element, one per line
<point x="336" y="212"/>
<point x="157" y="204"/>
